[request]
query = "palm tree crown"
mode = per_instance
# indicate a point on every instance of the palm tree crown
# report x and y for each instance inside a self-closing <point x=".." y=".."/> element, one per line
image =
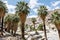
<point x="56" y="17"/>
<point x="15" y="19"/>
<point x="3" y="6"/>
<point x="8" y="18"/>
<point x="33" y="20"/>
<point x="42" y="12"/>
<point x="22" y="7"/>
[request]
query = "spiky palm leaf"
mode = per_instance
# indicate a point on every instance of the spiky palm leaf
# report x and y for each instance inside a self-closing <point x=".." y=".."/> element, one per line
<point x="33" y="20"/>
<point x="15" y="19"/>
<point x="22" y="7"/>
<point x="42" y="12"/>
<point x="55" y="17"/>
<point x="8" y="18"/>
<point x="3" y="6"/>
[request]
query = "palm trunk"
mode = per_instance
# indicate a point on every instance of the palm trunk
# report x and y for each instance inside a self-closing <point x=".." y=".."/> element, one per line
<point x="22" y="31"/>
<point x="34" y="26"/>
<point x="15" y="28"/>
<point x="12" y="28"/>
<point x="8" y="27"/>
<point x="59" y="33"/>
<point x="57" y="26"/>
<point x="0" y="23"/>
<point x="2" y="27"/>
<point x="45" y="30"/>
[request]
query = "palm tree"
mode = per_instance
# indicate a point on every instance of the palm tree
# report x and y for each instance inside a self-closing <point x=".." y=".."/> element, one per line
<point x="42" y="12"/>
<point x="11" y="23"/>
<point x="3" y="10"/>
<point x="8" y="20"/>
<point x="56" y="20"/>
<point x="33" y="21"/>
<point x="22" y="9"/>
<point x="15" y="21"/>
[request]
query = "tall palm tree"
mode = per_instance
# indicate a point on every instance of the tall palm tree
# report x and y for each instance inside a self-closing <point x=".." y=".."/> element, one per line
<point x="33" y="21"/>
<point x="22" y="9"/>
<point x="56" y="20"/>
<point x="3" y="10"/>
<point x="42" y="12"/>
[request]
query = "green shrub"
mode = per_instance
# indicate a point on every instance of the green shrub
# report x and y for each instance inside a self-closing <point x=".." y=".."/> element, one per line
<point x="40" y="27"/>
<point x="32" y="28"/>
<point x="26" y="26"/>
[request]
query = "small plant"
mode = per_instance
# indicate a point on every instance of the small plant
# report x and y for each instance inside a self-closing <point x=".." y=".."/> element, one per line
<point x="31" y="28"/>
<point x="33" y="21"/>
<point x="40" y="27"/>
<point x="36" y="31"/>
<point x="26" y="26"/>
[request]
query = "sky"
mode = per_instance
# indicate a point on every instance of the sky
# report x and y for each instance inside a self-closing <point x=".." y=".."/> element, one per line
<point x="34" y="5"/>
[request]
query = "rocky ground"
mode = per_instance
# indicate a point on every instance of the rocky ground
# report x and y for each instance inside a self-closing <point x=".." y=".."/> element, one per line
<point x="51" y="35"/>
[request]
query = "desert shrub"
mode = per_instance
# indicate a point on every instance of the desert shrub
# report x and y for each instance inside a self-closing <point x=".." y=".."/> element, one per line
<point x="40" y="27"/>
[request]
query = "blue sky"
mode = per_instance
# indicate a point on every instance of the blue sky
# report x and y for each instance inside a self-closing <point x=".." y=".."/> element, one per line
<point x="33" y="4"/>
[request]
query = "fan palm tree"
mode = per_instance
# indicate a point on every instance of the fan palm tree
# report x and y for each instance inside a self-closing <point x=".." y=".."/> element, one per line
<point x="15" y="21"/>
<point x="8" y="20"/>
<point x="11" y="23"/>
<point x="42" y="12"/>
<point x="33" y="21"/>
<point x="3" y="10"/>
<point x="56" y="20"/>
<point x="22" y="9"/>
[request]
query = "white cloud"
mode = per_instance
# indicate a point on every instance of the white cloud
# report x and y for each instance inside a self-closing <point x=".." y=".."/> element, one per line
<point x="48" y="7"/>
<point x="34" y="3"/>
<point x="57" y="7"/>
<point x="55" y="3"/>
<point x="11" y="8"/>
<point x="35" y="10"/>
<point x="32" y="16"/>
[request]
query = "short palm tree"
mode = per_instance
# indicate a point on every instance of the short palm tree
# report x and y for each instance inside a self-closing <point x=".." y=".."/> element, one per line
<point x="3" y="10"/>
<point x="56" y="20"/>
<point x="11" y="23"/>
<point x="22" y="9"/>
<point x="8" y="20"/>
<point x="15" y="22"/>
<point x="42" y="12"/>
<point x="33" y="21"/>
